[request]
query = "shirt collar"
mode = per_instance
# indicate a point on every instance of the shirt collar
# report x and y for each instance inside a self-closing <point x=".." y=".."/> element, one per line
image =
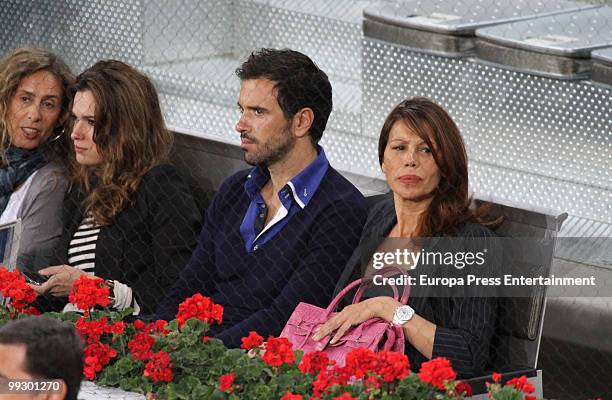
<point x="256" y="179"/>
<point x="303" y="186"/>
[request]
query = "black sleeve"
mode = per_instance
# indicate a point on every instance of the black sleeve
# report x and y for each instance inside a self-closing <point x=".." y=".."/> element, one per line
<point x="199" y="274"/>
<point x="175" y="222"/>
<point x="465" y="339"/>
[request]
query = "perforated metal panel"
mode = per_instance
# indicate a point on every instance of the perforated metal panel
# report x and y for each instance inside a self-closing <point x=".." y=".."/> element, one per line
<point x="179" y="30"/>
<point x="197" y="73"/>
<point x="82" y="31"/>
<point x="530" y="139"/>
<point x="558" y="47"/>
<point x="574" y="34"/>
<point x="329" y="32"/>
<point x="464" y="17"/>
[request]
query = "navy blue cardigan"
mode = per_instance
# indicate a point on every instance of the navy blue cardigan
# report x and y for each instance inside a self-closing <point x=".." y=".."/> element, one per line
<point x="302" y="263"/>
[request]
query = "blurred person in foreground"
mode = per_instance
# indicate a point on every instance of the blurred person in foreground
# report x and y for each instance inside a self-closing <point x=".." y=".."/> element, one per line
<point x="34" y="98"/>
<point x="40" y="348"/>
<point x="423" y="157"/>
<point x="280" y="232"/>
<point x="129" y="217"/>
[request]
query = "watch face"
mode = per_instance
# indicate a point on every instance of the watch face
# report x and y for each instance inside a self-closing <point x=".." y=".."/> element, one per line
<point x="404" y="313"/>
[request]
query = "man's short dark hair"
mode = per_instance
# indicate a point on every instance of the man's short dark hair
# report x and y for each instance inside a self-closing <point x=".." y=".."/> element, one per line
<point x="53" y="349"/>
<point x="299" y="83"/>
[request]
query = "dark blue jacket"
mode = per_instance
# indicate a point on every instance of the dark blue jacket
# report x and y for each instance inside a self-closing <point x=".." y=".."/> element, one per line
<point x="302" y="263"/>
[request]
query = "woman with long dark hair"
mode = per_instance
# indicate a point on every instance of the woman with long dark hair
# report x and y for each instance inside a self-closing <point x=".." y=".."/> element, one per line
<point x="423" y="157"/>
<point x="129" y="217"/>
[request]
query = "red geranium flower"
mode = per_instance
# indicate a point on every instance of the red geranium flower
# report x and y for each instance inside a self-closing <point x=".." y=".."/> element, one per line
<point x="159" y="367"/>
<point x="391" y="365"/>
<point x="96" y="357"/>
<point x="437" y="372"/>
<point x="463" y="388"/>
<point x="20" y="293"/>
<point x="140" y="346"/>
<point x="158" y="326"/>
<point x="330" y="377"/>
<point x="14" y="286"/>
<point x="371" y="383"/>
<point x="496" y="377"/>
<point x="138" y="325"/>
<point x="291" y="396"/>
<point x="345" y="396"/>
<point x="30" y="311"/>
<point x="252" y="341"/>
<point x="117" y="328"/>
<point x="200" y="307"/>
<point x="386" y="364"/>
<point x="521" y="384"/>
<point x="7" y="277"/>
<point x="278" y="351"/>
<point x="360" y="361"/>
<point x="91" y="331"/>
<point x="89" y="292"/>
<point x="226" y="381"/>
<point x="314" y="362"/>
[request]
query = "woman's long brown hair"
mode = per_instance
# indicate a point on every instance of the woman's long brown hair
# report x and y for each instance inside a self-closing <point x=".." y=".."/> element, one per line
<point x="130" y="135"/>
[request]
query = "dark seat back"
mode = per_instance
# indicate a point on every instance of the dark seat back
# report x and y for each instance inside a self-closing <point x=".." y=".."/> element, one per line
<point x="205" y="164"/>
<point x="519" y="324"/>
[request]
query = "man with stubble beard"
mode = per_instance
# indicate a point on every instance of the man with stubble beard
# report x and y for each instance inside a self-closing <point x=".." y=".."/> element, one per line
<point x="281" y="232"/>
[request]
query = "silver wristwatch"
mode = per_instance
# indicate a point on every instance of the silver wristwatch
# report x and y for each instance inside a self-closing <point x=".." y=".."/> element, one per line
<point x="402" y="315"/>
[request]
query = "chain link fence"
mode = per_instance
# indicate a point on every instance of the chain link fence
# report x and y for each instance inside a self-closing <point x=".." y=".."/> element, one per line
<point x="518" y="78"/>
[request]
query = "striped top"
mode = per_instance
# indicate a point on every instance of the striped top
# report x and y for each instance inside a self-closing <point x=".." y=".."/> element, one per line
<point x="82" y="247"/>
<point x="82" y="255"/>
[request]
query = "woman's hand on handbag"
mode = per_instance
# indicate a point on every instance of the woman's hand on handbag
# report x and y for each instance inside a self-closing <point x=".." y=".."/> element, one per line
<point x="61" y="280"/>
<point x="354" y="314"/>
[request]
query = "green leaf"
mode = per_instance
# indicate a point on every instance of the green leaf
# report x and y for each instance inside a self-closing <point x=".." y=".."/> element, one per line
<point x="70" y="316"/>
<point x="126" y="365"/>
<point x="195" y="325"/>
<point x="134" y="384"/>
<point x="120" y="315"/>
<point x="185" y="387"/>
<point x="298" y="356"/>
<point x="218" y="395"/>
<point x="173" y="325"/>
<point x="202" y="392"/>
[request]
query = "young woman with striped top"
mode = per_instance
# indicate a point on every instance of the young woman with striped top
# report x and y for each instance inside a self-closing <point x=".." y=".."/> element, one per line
<point x="129" y="218"/>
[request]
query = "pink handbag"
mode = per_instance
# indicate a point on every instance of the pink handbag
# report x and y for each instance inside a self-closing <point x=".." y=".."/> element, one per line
<point x="375" y="334"/>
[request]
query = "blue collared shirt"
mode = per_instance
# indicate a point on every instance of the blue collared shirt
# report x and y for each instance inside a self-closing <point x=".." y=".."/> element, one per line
<point x="294" y="196"/>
